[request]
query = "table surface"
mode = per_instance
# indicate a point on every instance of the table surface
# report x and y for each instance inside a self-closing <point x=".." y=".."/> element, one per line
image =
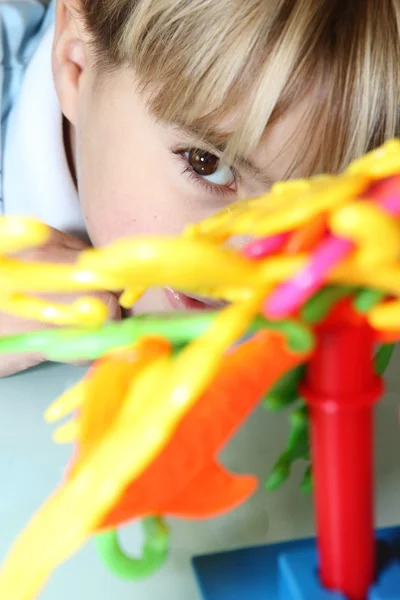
<point x="31" y="466"/>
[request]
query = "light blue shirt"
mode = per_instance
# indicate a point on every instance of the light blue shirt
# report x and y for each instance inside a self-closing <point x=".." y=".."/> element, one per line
<point x="23" y="23"/>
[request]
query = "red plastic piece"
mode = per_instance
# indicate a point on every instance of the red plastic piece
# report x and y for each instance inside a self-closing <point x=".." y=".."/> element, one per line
<point x="341" y="389"/>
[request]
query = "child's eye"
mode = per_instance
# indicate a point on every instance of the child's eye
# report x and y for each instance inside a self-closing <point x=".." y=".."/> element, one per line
<point x="208" y="171"/>
<point x="209" y="167"/>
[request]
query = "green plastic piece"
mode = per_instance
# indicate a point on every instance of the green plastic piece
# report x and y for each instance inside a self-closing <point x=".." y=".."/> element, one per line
<point x="155" y="551"/>
<point x="367" y="299"/>
<point x="80" y="344"/>
<point x="383" y="358"/>
<point x="285" y="391"/>
<point x="299" y="337"/>
<point x="297" y="448"/>
<point x="318" y="307"/>
<point x="180" y="328"/>
<point x="284" y="394"/>
<point x="306" y="485"/>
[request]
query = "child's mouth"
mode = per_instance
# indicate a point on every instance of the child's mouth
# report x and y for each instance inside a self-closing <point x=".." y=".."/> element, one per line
<point x="180" y="301"/>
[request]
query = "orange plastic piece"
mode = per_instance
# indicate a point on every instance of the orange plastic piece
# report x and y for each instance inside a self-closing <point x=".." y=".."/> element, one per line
<point x="387" y="337"/>
<point x="186" y="480"/>
<point x="307" y="237"/>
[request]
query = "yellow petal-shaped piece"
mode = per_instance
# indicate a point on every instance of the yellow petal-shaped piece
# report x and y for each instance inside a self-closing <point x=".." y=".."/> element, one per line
<point x="376" y="234"/>
<point x="379" y="163"/>
<point x="68" y="402"/>
<point x="385" y="316"/>
<point x="21" y="233"/>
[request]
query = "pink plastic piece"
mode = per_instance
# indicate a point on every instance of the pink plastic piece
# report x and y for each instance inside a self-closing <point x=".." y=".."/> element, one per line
<point x="292" y="294"/>
<point x="263" y="247"/>
<point x="386" y="194"/>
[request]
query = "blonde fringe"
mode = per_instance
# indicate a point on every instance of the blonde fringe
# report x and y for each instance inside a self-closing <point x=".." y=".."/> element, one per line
<point x="205" y="60"/>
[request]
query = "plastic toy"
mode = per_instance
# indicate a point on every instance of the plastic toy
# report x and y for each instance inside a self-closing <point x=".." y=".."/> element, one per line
<point x="310" y="297"/>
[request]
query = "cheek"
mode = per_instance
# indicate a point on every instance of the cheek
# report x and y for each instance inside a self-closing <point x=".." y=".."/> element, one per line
<point x="120" y="191"/>
<point x="127" y="188"/>
<point x="126" y="192"/>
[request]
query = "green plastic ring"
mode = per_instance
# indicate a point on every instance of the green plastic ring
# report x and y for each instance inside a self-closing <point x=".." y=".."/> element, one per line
<point x="154" y="554"/>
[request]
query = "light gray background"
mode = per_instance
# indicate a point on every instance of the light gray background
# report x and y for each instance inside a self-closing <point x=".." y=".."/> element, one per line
<point x="31" y="466"/>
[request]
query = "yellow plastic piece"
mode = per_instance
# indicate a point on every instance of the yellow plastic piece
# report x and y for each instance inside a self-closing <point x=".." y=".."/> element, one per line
<point x="382" y="162"/>
<point x="21" y="233"/>
<point x="386" y="316"/>
<point x="68" y="402"/>
<point x="67" y="433"/>
<point x="17" y="275"/>
<point x="130" y="296"/>
<point x="375" y="234"/>
<point x="86" y="312"/>
<point x="162" y="261"/>
<point x="387" y="279"/>
<point x="286" y="207"/>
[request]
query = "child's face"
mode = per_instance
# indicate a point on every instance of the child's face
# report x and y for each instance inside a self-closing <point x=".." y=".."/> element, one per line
<point x="138" y="176"/>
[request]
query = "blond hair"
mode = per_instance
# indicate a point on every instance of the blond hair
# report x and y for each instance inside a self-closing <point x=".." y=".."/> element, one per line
<point x="205" y="59"/>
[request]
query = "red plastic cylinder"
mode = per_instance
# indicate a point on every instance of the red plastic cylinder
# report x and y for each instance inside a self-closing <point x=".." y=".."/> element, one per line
<point x="341" y="389"/>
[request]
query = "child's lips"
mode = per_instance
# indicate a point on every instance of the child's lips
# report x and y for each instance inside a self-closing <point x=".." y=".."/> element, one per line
<point x="180" y="301"/>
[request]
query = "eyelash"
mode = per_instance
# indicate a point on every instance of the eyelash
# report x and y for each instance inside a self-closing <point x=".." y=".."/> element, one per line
<point x="214" y="188"/>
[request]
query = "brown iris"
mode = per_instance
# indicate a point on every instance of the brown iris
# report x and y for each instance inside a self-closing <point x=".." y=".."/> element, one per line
<point x="202" y="162"/>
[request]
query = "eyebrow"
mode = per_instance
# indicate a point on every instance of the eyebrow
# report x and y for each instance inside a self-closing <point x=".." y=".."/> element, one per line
<point x="215" y="142"/>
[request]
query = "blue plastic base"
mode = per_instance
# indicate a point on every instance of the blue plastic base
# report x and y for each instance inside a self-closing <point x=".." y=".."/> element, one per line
<point x="288" y="571"/>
